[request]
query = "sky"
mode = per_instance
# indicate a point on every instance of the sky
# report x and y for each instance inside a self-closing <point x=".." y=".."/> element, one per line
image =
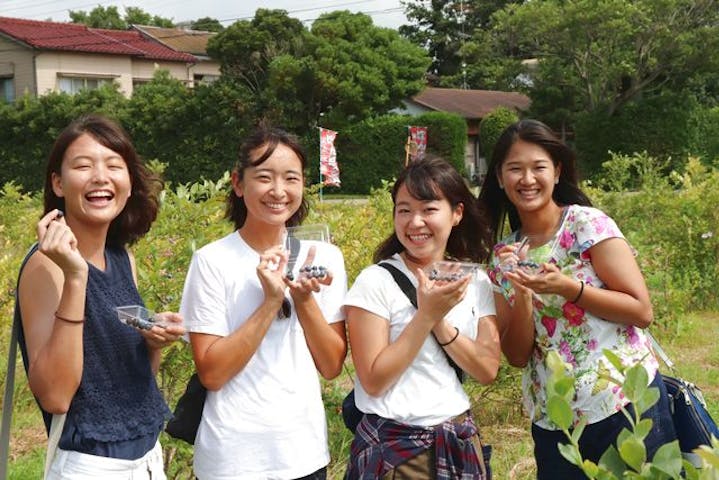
<point x="384" y="13"/>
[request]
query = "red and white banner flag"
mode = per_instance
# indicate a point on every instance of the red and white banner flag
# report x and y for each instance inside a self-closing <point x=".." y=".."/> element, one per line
<point x="417" y="142"/>
<point x="329" y="169"/>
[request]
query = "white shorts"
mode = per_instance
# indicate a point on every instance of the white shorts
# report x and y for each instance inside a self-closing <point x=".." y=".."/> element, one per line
<point x="69" y="465"/>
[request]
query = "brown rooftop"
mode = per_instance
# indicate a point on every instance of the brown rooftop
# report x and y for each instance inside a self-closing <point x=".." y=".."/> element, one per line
<point x="178" y="39"/>
<point x="470" y="103"/>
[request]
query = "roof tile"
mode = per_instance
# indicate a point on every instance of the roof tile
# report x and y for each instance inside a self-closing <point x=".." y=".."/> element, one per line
<point x="72" y="37"/>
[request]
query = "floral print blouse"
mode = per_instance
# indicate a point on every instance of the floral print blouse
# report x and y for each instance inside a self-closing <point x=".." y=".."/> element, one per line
<point x="579" y="336"/>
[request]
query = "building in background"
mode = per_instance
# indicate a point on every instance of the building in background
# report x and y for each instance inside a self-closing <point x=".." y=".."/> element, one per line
<point x="37" y="57"/>
<point x="472" y="105"/>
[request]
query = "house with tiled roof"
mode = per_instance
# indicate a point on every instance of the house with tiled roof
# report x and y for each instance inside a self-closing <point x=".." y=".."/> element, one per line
<point x="472" y="105"/>
<point x="194" y="42"/>
<point x="37" y="57"/>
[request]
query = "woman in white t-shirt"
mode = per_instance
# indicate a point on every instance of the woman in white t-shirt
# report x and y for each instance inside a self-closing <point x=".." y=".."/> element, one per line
<point x="258" y="337"/>
<point x="417" y="423"/>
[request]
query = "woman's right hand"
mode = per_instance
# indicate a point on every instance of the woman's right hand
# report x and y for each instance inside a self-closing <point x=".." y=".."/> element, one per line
<point x="57" y="241"/>
<point x="271" y="271"/>
<point x="436" y="298"/>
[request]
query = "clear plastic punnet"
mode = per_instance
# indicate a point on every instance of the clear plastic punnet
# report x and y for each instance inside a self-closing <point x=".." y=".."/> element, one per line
<point x="315" y="232"/>
<point x="450" y="271"/>
<point x="138" y="316"/>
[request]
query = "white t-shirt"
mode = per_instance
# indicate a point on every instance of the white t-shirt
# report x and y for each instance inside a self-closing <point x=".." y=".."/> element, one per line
<point x="428" y="392"/>
<point x="267" y="422"/>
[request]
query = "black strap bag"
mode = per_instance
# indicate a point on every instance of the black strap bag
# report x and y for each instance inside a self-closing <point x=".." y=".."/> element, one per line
<point x="188" y="412"/>
<point x="351" y="415"/>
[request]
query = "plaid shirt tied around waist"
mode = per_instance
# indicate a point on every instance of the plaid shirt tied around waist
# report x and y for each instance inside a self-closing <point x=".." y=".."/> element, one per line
<point x="381" y="444"/>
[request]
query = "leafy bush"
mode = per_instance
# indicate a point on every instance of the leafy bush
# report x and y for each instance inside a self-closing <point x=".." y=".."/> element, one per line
<point x="628" y="459"/>
<point x="492" y="126"/>
<point x="373" y="150"/>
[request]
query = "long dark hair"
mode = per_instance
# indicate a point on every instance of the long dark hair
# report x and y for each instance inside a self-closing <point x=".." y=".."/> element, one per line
<point x="432" y="178"/>
<point x="141" y="209"/>
<point x="493" y="201"/>
<point x="268" y="137"/>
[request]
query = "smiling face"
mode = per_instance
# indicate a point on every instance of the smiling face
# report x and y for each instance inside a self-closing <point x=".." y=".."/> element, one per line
<point x="423" y="226"/>
<point x="528" y="176"/>
<point x="272" y="191"/>
<point x="94" y="182"/>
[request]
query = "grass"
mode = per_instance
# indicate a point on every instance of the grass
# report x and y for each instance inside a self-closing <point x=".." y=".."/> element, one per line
<point x="496" y="408"/>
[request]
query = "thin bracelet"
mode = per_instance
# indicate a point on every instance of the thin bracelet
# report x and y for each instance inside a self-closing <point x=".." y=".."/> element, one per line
<point x="456" y="334"/>
<point x="68" y="320"/>
<point x="581" y="291"/>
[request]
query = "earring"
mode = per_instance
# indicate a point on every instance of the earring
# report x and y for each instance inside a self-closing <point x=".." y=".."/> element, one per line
<point x="556" y="181"/>
<point x="501" y="187"/>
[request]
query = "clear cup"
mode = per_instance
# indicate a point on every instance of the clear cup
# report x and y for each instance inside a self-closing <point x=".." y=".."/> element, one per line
<point x="139" y="317"/>
<point x="313" y="233"/>
<point x="450" y="271"/>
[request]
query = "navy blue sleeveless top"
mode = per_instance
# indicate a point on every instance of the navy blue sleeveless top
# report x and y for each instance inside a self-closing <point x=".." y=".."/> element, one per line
<point x="118" y="410"/>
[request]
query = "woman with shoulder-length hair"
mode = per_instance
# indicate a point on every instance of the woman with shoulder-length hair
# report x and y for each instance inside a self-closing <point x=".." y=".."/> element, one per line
<point x="417" y="422"/>
<point x="260" y="335"/>
<point x="81" y="361"/>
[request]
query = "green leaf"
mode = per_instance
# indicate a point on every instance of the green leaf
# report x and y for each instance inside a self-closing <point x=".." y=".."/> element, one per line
<point x="642" y="429"/>
<point x="578" y="430"/>
<point x="590" y="468"/>
<point x="635" y="383"/>
<point x="560" y="412"/>
<point x="571" y="453"/>
<point x="614" y="360"/>
<point x="612" y="462"/>
<point x="633" y="452"/>
<point x="645" y="402"/>
<point x="668" y="459"/>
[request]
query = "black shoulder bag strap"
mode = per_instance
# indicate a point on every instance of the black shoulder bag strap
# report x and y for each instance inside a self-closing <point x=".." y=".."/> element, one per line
<point x="405" y="284"/>
<point x="10" y="376"/>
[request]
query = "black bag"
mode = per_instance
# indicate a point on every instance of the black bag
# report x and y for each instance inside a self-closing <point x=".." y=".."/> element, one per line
<point x="188" y="412"/>
<point x="692" y="422"/>
<point x="351" y="415"/>
<point x="186" y="419"/>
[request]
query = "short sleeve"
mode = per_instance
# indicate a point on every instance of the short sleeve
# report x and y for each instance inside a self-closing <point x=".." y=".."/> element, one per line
<point x="369" y="292"/>
<point x="485" y="296"/>
<point x="203" y="305"/>
<point x="592" y="226"/>
<point x="332" y="296"/>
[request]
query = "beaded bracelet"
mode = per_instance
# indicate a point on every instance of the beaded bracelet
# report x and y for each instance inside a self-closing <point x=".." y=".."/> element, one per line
<point x="581" y="291"/>
<point x="68" y="320"/>
<point x="456" y="334"/>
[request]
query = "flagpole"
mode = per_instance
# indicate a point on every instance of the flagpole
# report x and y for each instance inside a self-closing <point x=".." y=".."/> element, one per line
<point x="319" y="130"/>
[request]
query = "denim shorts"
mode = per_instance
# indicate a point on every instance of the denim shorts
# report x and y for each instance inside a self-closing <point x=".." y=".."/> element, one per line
<point x="597" y="437"/>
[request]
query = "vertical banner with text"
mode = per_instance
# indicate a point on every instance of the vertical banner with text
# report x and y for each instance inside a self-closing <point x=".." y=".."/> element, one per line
<point x="417" y="142"/>
<point x="329" y="170"/>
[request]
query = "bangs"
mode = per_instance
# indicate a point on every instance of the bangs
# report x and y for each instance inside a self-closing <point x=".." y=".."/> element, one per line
<point x="422" y="187"/>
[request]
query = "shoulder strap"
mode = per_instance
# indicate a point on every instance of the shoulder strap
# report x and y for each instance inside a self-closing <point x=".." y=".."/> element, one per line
<point x="294" y="252"/>
<point x="10" y="376"/>
<point x="411" y="292"/>
<point x="402" y="281"/>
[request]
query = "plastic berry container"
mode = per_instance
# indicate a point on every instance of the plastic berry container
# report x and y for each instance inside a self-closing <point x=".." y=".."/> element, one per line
<point x="450" y="271"/>
<point x="138" y="316"/>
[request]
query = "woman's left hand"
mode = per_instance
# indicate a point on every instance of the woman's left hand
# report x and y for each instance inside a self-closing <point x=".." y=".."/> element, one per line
<point x="162" y="336"/>
<point x="548" y="279"/>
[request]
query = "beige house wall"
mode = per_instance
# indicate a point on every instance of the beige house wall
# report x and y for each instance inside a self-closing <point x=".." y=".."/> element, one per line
<point x="143" y="70"/>
<point x="17" y="61"/>
<point x="52" y="65"/>
<point x="206" y="67"/>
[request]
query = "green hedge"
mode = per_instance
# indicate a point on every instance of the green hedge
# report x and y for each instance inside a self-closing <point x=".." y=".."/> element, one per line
<point x="373" y="150"/>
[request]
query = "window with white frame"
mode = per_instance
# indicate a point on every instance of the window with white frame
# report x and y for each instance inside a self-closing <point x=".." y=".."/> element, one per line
<point x="7" y="89"/>
<point x="73" y="84"/>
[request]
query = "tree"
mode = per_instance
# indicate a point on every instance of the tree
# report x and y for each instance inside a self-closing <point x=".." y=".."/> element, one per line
<point x="446" y="28"/>
<point x="607" y="54"/>
<point x="345" y="68"/>
<point x="207" y="24"/>
<point x="109" y="17"/>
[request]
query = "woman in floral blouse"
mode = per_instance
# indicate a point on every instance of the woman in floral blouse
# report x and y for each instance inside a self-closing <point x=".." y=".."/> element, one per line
<point x="577" y="290"/>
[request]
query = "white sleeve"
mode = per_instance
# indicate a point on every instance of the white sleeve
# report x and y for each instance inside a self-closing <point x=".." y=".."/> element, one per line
<point x="204" y="306"/>
<point x="331" y="297"/>
<point x="369" y="292"/>
<point x="485" y="296"/>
